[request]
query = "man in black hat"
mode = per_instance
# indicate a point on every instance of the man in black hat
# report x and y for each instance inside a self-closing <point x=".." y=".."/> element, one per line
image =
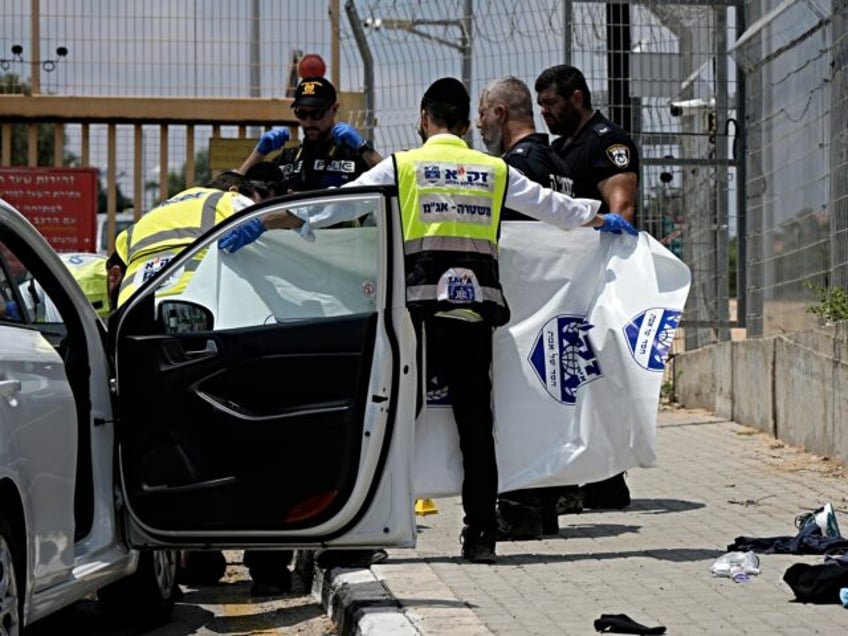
<point x="330" y="155"/>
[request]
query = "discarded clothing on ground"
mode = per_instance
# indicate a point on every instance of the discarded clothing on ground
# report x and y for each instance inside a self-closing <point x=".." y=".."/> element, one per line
<point x="623" y="624"/>
<point x="818" y="583"/>
<point x="809" y="540"/>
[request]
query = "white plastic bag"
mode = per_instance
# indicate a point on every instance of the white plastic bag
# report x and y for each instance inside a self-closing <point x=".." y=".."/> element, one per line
<point x="736" y="565"/>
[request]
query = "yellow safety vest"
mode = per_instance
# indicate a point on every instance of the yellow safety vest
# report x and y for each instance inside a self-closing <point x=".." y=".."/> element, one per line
<point x="450" y="200"/>
<point x="89" y="270"/>
<point x="165" y="231"/>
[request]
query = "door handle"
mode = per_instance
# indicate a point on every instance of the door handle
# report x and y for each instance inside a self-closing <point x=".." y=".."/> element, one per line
<point x="209" y="348"/>
<point x="8" y="388"/>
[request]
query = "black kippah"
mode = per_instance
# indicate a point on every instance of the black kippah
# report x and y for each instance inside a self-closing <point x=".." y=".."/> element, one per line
<point x="448" y="91"/>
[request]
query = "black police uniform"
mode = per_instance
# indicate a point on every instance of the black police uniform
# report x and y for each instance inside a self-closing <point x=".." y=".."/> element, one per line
<point x="537" y="161"/>
<point x="599" y="150"/>
<point x="315" y="165"/>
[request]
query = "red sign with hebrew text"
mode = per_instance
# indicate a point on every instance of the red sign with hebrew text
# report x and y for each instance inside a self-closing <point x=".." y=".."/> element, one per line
<point x="60" y="202"/>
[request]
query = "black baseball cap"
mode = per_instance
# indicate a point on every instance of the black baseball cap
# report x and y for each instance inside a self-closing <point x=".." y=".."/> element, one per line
<point x="314" y="91"/>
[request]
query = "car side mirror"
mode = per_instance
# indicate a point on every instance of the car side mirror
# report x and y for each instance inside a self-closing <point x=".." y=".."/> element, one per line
<point x="181" y="316"/>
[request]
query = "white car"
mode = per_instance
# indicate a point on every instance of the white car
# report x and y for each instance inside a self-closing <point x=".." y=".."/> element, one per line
<point x="116" y="450"/>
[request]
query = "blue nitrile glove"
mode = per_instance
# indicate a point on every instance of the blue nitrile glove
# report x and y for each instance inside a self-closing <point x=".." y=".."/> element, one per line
<point x="346" y="135"/>
<point x="241" y="236"/>
<point x="615" y="223"/>
<point x="10" y="310"/>
<point x="272" y="140"/>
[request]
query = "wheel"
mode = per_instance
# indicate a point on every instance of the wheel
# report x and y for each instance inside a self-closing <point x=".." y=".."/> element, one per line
<point x="11" y="592"/>
<point x="147" y="595"/>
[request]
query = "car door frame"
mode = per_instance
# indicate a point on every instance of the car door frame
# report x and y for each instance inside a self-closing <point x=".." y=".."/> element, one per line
<point x="382" y="511"/>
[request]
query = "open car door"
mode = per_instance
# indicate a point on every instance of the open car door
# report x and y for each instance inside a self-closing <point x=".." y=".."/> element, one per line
<point x="270" y="400"/>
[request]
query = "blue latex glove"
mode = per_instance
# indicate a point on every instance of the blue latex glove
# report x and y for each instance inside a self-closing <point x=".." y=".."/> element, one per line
<point x="241" y="236"/>
<point x="615" y="223"/>
<point x="346" y="135"/>
<point x="272" y="140"/>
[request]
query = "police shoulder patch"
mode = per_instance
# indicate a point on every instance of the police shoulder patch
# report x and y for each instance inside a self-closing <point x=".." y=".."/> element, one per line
<point x="619" y="154"/>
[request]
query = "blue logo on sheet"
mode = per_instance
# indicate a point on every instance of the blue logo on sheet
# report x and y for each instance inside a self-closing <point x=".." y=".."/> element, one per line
<point x="563" y="357"/>
<point x="649" y="336"/>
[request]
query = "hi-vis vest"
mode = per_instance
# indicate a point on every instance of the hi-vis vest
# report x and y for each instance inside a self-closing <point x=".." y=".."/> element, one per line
<point x="164" y="232"/>
<point x="89" y="270"/>
<point x="450" y="200"/>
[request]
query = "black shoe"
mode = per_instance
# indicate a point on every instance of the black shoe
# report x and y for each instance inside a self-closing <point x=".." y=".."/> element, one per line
<point x="336" y="558"/>
<point x="518" y="530"/>
<point x="202" y="567"/>
<point x="570" y="501"/>
<point x="611" y="493"/>
<point x="279" y="585"/>
<point x="478" y="546"/>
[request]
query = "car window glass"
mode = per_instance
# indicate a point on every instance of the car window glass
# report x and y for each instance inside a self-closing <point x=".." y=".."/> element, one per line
<point x="288" y="275"/>
<point x="23" y="298"/>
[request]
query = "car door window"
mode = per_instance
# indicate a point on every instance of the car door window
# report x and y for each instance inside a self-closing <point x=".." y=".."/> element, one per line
<point x="24" y="299"/>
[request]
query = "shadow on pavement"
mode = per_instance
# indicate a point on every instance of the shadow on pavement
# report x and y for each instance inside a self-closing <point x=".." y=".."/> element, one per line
<point x="664" y="506"/>
<point x="677" y="555"/>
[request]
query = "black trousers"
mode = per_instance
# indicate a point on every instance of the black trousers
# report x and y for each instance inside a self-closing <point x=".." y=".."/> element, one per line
<point x="460" y="352"/>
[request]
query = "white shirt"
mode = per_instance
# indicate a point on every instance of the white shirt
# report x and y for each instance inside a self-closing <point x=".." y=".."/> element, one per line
<point x="522" y="195"/>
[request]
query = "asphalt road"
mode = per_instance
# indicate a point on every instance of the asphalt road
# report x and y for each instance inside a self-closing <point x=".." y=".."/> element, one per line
<point x="225" y="608"/>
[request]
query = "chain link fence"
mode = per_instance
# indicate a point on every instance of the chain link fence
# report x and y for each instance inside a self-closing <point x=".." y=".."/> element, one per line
<point x="739" y="107"/>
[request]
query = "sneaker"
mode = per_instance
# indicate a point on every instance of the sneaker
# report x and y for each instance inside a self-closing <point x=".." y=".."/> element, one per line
<point x="478" y="546"/>
<point x="824" y="518"/>
<point x="611" y="493"/>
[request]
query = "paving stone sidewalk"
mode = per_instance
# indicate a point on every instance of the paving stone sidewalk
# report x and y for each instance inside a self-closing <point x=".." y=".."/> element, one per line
<point x="715" y="480"/>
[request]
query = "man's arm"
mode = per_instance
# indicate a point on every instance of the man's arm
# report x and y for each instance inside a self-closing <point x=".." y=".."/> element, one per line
<point x="544" y="204"/>
<point x="371" y="157"/>
<point x="619" y="193"/>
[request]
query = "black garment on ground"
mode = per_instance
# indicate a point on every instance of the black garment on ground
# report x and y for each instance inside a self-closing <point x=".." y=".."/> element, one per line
<point x="315" y="165"/>
<point x="537" y="161"/>
<point x="818" y="583"/>
<point x="809" y="540"/>
<point x="599" y="150"/>
<point x="623" y="624"/>
<point x="461" y="352"/>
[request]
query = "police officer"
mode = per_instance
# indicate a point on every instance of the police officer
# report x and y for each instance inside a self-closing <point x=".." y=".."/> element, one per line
<point x="601" y="162"/>
<point x="505" y="122"/>
<point x="330" y="155"/>
<point x="453" y="290"/>
<point x="157" y="237"/>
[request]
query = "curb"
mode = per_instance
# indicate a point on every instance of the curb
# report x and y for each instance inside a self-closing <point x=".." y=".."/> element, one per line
<point x="356" y="600"/>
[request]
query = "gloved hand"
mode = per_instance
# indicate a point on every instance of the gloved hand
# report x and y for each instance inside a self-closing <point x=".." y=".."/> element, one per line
<point x="615" y="223"/>
<point x="241" y="236"/>
<point x="272" y="140"/>
<point x="346" y="135"/>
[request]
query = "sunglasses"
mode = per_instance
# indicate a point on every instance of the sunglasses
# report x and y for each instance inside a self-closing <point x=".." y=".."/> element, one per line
<point x="310" y="114"/>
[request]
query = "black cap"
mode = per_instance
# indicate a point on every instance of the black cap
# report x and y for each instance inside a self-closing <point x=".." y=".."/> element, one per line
<point x="314" y="91"/>
<point x="448" y="91"/>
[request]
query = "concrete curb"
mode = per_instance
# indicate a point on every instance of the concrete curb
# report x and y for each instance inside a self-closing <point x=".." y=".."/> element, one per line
<point x="356" y="600"/>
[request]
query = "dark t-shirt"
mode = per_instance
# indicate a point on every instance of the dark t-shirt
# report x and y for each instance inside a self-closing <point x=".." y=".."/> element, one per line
<point x="598" y="151"/>
<point x="537" y="161"/>
<point x="315" y="165"/>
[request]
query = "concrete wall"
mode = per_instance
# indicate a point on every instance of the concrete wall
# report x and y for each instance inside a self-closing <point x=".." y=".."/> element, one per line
<point x="793" y="386"/>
